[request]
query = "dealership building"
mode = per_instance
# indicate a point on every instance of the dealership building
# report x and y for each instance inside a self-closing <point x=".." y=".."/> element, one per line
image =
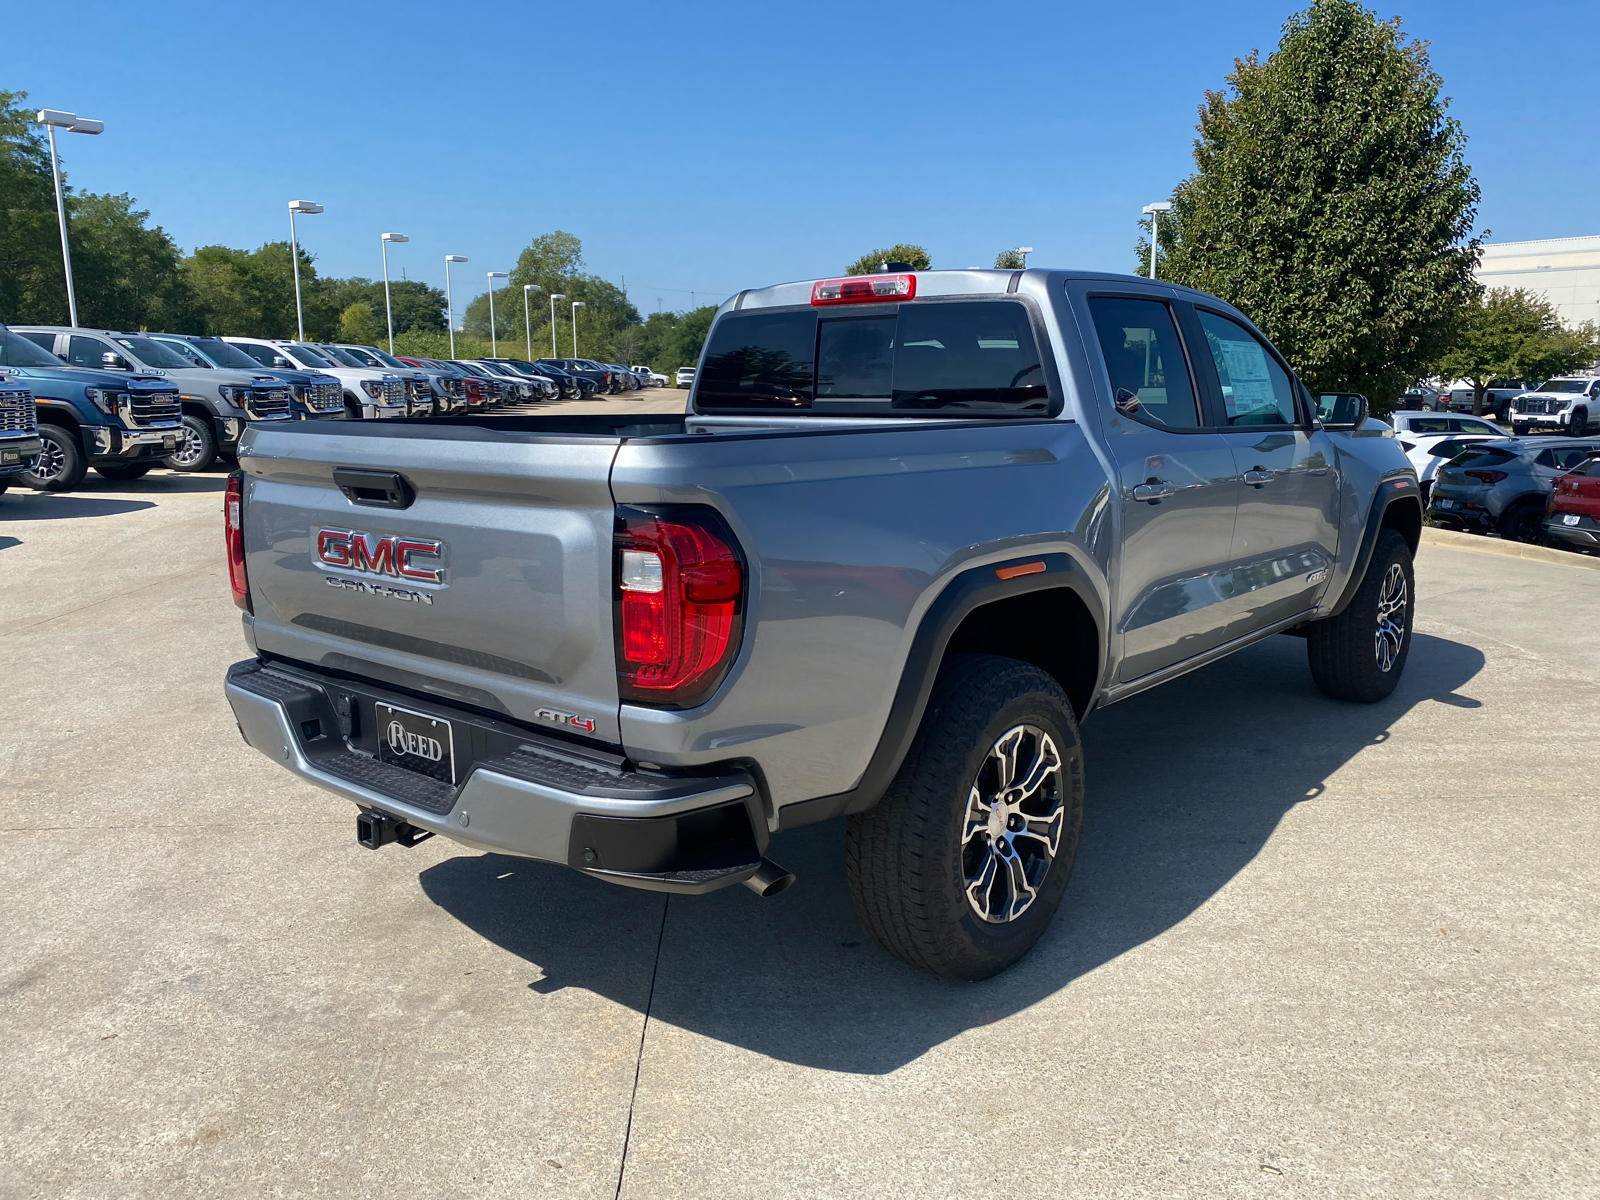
<point x="1566" y="271"/>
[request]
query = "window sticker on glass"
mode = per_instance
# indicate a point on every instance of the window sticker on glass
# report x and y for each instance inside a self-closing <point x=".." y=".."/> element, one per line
<point x="1255" y="389"/>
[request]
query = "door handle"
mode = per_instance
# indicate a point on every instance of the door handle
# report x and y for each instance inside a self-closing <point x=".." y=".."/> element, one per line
<point x="1259" y="476"/>
<point x="1154" y="493"/>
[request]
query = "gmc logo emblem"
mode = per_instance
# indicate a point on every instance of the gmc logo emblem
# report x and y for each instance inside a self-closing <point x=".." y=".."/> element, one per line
<point x="402" y="557"/>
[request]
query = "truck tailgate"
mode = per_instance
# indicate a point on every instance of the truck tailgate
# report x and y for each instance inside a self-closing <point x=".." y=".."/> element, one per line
<point x="519" y="621"/>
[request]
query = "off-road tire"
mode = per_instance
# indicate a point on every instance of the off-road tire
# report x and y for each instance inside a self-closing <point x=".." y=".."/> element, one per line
<point x="1522" y="522"/>
<point x="1343" y="651"/>
<point x="904" y="858"/>
<point x="198" y="450"/>
<point x="60" y="442"/>
<point x="124" y="472"/>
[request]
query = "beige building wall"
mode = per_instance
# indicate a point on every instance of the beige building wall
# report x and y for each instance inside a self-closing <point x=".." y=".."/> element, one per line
<point x="1565" y="270"/>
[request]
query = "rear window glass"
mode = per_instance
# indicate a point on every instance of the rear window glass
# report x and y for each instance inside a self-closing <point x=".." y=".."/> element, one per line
<point x="947" y="358"/>
<point x="1488" y="456"/>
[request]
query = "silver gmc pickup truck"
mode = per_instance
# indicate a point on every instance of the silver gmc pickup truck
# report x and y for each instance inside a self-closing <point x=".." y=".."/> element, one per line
<point x="912" y="530"/>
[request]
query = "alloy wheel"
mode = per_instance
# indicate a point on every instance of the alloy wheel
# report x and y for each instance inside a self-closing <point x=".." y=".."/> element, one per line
<point x="1015" y="813"/>
<point x="1391" y="634"/>
<point x="51" y="462"/>
<point x="190" y="449"/>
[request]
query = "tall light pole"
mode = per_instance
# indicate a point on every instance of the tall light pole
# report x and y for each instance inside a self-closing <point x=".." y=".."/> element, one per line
<point x="449" y="304"/>
<point x="53" y="119"/>
<point x="309" y="209"/>
<point x="494" y="346"/>
<point x="388" y="307"/>
<point x="576" y="305"/>
<point x="1154" y="211"/>
<point x="1024" y="251"/>
<point x="527" y="313"/>
<point x="553" y="299"/>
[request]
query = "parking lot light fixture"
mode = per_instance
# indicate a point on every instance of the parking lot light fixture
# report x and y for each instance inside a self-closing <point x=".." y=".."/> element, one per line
<point x="1024" y="251"/>
<point x="305" y="208"/>
<point x="556" y="296"/>
<point x="388" y="307"/>
<point x="576" y="305"/>
<point x="53" y="119"/>
<point x="1154" y="211"/>
<point x="449" y="304"/>
<point x="527" y="314"/>
<point x="494" y="346"/>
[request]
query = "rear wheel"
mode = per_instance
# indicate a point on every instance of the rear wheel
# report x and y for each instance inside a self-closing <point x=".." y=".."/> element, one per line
<point x="1523" y="522"/>
<point x="60" y="466"/>
<point x="124" y="472"/>
<point x="960" y="867"/>
<point x="197" y="446"/>
<point x="1360" y="654"/>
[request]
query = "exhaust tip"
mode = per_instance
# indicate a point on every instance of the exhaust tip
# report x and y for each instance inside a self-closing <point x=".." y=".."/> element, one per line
<point x="769" y="879"/>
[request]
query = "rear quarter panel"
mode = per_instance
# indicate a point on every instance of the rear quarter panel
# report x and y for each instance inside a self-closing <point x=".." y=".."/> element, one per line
<point x="849" y="537"/>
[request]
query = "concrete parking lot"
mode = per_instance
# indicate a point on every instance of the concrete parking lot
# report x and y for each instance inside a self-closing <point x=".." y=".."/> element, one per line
<point x="1311" y="949"/>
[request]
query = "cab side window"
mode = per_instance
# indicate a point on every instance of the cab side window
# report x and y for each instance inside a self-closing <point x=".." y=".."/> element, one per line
<point x="85" y="351"/>
<point x="1149" y="373"/>
<point x="1255" y="389"/>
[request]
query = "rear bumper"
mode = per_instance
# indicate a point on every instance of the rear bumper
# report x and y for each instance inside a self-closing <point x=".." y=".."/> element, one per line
<point x="1585" y="533"/>
<point x="522" y="794"/>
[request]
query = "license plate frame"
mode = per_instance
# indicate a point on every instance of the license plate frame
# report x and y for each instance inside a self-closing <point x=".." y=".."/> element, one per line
<point x="1569" y="518"/>
<point x="169" y="441"/>
<point x="10" y="457"/>
<point x="415" y="741"/>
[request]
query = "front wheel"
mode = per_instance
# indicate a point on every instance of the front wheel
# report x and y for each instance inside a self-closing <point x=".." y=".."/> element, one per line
<point x="60" y="466"/>
<point x="1360" y="654"/>
<point x="1580" y="422"/>
<point x="960" y="867"/>
<point x="197" y="446"/>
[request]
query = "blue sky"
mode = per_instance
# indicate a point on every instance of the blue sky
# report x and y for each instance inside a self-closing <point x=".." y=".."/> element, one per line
<point x="707" y="147"/>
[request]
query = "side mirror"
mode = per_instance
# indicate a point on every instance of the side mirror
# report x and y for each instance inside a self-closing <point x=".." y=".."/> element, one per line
<point x="113" y="362"/>
<point x="279" y="360"/>
<point x="1343" y="410"/>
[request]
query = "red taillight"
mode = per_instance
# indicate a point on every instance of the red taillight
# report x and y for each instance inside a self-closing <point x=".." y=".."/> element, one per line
<point x="864" y="289"/>
<point x="680" y="583"/>
<point x="233" y="534"/>
<point x="1485" y="476"/>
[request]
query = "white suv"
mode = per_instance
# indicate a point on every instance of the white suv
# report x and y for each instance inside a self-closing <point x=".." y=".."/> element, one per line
<point x="1565" y="405"/>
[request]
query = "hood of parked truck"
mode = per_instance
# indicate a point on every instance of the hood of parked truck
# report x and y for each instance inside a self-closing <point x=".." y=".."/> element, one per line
<point x="66" y="376"/>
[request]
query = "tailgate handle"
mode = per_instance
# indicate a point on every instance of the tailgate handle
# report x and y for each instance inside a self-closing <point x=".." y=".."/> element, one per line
<point x="375" y="489"/>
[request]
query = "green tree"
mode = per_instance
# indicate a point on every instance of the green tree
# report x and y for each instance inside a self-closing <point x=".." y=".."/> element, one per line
<point x="1009" y="260"/>
<point x="1332" y="204"/>
<point x="127" y="275"/>
<point x="415" y="305"/>
<point x="1512" y="333"/>
<point x="359" y="324"/>
<point x="126" y="272"/>
<point x="32" y="286"/>
<point x="904" y="252"/>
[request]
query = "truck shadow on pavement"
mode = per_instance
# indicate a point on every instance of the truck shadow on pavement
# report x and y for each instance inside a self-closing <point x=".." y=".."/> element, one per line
<point x="1186" y="784"/>
<point x="52" y="506"/>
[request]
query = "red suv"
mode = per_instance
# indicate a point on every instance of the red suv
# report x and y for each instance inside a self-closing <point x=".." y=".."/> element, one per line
<point x="1574" y="513"/>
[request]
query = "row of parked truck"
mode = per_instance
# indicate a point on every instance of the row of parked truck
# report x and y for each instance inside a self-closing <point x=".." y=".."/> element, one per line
<point x="124" y="403"/>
